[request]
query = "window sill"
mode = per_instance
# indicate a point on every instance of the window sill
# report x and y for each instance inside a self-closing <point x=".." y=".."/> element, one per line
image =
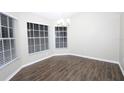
<point x="35" y="53"/>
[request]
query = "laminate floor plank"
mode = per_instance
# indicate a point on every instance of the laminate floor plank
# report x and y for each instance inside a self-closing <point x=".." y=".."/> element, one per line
<point x="70" y="68"/>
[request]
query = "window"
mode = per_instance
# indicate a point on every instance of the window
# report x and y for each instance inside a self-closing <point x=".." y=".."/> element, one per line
<point x="61" y="37"/>
<point x="37" y="37"/>
<point x="7" y="39"/>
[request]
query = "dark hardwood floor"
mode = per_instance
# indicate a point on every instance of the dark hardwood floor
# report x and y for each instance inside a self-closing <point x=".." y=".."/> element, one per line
<point x="70" y="68"/>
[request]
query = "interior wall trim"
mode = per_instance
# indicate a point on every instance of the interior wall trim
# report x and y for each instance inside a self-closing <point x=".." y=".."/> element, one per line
<point x="13" y="74"/>
<point x="41" y="59"/>
<point x="23" y="66"/>
<point x="95" y="58"/>
<point x="122" y="70"/>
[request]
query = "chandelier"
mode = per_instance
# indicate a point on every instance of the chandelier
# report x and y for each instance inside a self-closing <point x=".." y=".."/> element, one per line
<point x="63" y="22"/>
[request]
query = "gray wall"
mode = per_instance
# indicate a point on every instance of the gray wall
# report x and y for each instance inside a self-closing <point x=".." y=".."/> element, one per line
<point x="122" y="40"/>
<point x="95" y="35"/>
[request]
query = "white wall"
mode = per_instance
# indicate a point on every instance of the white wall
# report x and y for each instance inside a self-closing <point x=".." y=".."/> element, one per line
<point x="95" y="35"/>
<point x="122" y="41"/>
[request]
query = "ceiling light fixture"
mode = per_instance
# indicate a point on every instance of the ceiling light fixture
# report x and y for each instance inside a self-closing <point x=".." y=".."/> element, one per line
<point x="63" y="22"/>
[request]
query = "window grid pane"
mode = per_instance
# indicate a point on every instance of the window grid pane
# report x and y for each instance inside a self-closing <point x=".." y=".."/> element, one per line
<point x="4" y="31"/>
<point x="3" y="20"/>
<point x="1" y="59"/>
<point x="7" y="41"/>
<point x="13" y="53"/>
<point x="61" y="37"/>
<point x="1" y="46"/>
<point x="37" y="37"/>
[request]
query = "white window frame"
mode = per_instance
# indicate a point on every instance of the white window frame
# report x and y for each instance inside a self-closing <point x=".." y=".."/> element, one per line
<point x="4" y="63"/>
<point x="60" y="44"/>
<point x="45" y="45"/>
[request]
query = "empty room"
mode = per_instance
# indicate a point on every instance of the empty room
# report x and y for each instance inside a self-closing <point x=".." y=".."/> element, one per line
<point x="61" y="46"/>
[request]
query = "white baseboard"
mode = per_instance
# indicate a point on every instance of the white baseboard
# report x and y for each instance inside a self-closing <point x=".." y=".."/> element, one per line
<point x="99" y="59"/>
<point x="14" y="73"/>
<point x="121" y="69"/>
<point x="62" y="54"/>
<point x="110" y="61"/>
<point x="37" y="61"/>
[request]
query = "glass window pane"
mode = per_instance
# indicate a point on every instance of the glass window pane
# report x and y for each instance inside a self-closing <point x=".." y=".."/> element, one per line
<point x="3" y="20"/>
<point x="37" y="48"/>
<point x="28" y="25"/>
<point x="61" y="40"/>
<point x="1" y="59"/>
<point x="65" y="45"/>
<point x="1" y="46"/>
<point x="42" y="41"/>
<point x="12" y="43"/>
<point x="46" y="34"/>
<point x="4" y="32"/>
<point x="37" y="42"/>
<point x="47" y="43"/>
<point x="36" y="27"/>
<point x="31" y="26"/>
<point x="36" y="33"/>
<point x="30" y="33"/>
<point x="65" y="40"/>
<point x="57" y="33"/>
<point x="46" y="40"/>
<point x="11" y="32"/>
<point x="60" y="28"/>
<point x="31" y="49"/>
<point x="10" y="22"/>
<point x="61" y="45"/>
<point x="65" y="34"/>
<point x="42" y="34"/>
<point x="46" y="28"/>
<point x="65" y="28"/>
<point x="41" y="27"/>
<point x="57" y="45"/>
<point x="57" y="40"/>
<point x="6" y="44"/>
<point x="47" y="46"/>
<point x="7" y="56"/>
<point x="13" y="54"/>
<point x="61" y="34"/>
<point x="56" y="28"/>
<point x="42" y="47"/>
<point x="31" y="42"/>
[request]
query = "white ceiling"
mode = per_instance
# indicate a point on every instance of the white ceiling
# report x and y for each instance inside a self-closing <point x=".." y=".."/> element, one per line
<point x="56" y="15"/>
